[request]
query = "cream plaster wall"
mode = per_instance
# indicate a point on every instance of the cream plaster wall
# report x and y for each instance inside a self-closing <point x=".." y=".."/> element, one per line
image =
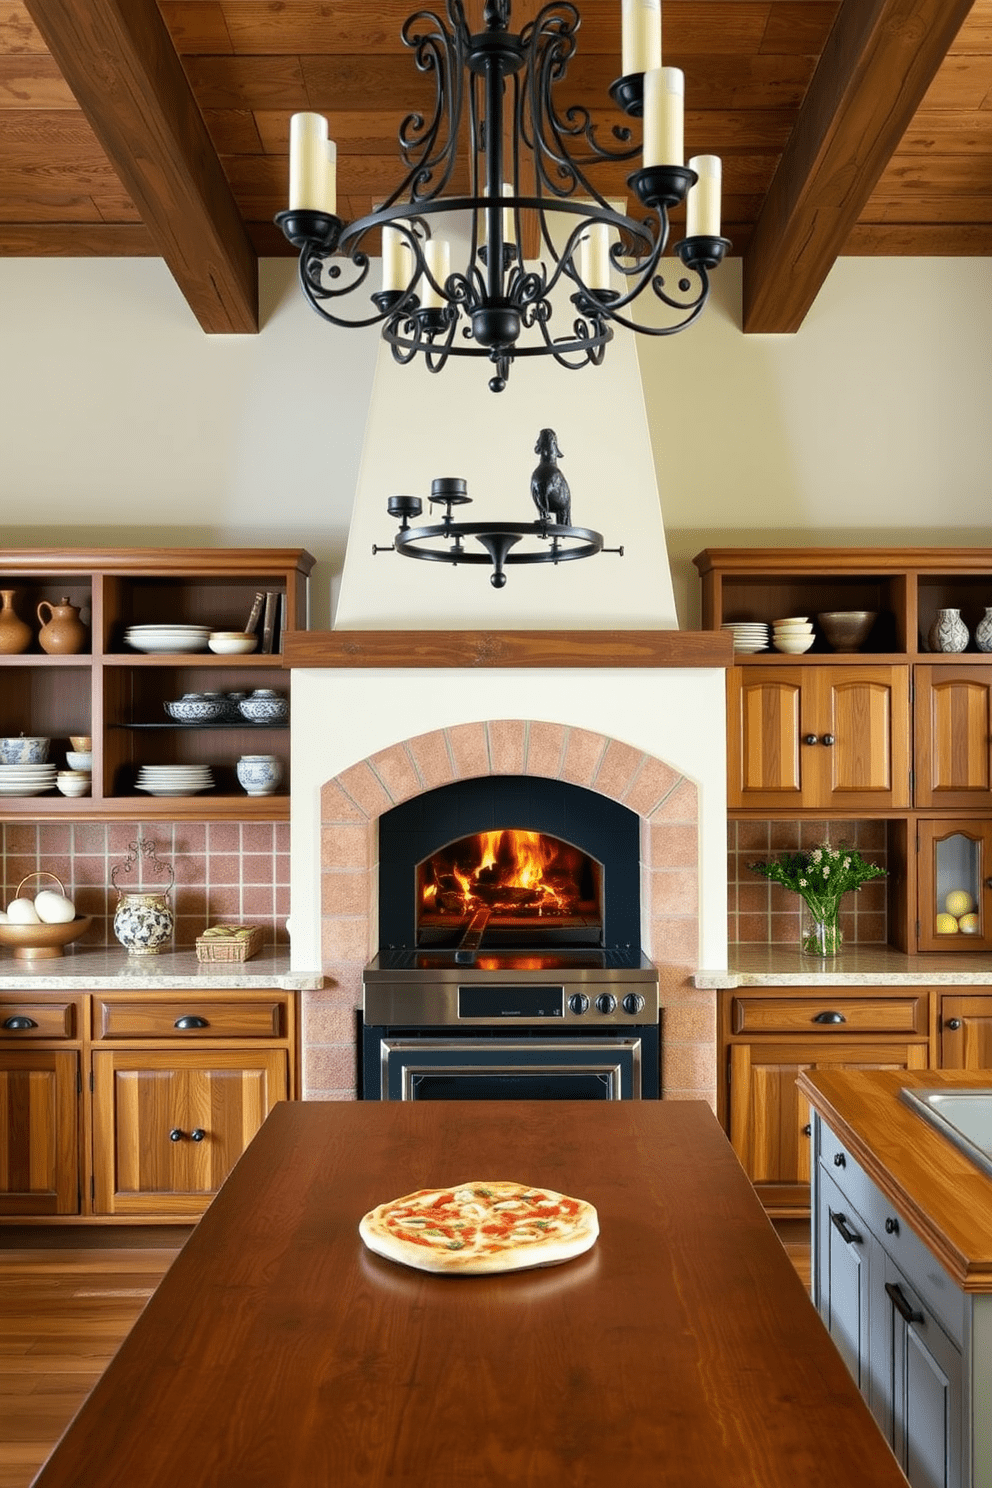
<point x="120" y="421"/>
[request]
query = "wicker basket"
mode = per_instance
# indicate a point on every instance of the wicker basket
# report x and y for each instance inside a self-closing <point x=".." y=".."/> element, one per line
<point x="229" y="943"/>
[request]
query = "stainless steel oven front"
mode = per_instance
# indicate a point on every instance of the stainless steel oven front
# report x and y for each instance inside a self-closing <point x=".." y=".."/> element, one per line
<point x="523" y="1028"/>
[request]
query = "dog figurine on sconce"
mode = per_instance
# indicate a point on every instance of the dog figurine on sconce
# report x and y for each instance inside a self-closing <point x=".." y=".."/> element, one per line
<point x="548" y="486"/>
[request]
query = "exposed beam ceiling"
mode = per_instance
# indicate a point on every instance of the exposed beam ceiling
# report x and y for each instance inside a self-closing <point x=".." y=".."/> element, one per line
<point x="878" y="62"/>
<point x="120" y="62"/>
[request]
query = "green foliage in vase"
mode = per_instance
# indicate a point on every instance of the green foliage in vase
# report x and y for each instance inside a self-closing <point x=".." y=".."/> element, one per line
<point x="821" y="875"/>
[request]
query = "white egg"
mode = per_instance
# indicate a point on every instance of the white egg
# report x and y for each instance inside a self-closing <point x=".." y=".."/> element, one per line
<point x="52" y="908"/>
<point x="22" y="912"/>
<point x="4" y="917"/>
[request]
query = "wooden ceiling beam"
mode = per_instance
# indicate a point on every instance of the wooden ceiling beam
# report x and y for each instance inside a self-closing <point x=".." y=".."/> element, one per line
<point x="878" y="62"/>
<point x="120" y="62"/>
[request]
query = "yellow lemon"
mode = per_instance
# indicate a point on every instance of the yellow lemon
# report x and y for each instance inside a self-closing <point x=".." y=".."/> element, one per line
<point x="946" y="924"/>
<point x="968" y="923"/>
<point x="959" y="902"/>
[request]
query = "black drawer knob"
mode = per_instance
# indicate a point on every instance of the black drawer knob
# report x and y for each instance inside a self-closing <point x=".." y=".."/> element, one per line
<point x="810" y="739"/>
<point x="829" y="1017"/>
<point x="176" y="1135"/>
<point x="891" y="1225"/>
<point x="197" y="1134"/>
<point x="954" y="1023"/>
<point x="828" y="739"/>
<point x="840" y="1161"/>
<point x="807" y="1130"/>
<point x="190" y="1020"/>
<point x="19" y="1022"/>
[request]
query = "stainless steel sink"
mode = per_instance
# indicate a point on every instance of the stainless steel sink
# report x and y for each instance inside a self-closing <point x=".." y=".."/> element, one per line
<point x="964" y="1117"/>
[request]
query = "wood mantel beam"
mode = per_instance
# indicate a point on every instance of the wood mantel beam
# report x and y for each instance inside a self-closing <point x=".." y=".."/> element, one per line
<point x="508" y="648"/>
<point x="879" y="60"/>
<point x="119" y="60"/>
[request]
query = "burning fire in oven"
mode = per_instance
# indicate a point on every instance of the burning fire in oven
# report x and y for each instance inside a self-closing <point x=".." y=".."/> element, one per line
<point x="510" y="876"/>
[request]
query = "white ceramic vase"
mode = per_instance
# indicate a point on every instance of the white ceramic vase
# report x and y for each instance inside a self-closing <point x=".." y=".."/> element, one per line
<point x="259" y="773"/>
<point x="948" y="632"/>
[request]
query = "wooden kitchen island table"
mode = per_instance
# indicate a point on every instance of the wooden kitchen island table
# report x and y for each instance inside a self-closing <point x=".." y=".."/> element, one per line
<point x="681" y="1351"/>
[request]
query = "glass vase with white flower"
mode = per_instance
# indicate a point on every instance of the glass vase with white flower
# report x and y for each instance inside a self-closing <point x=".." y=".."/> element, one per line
<point x="821" y="876"/>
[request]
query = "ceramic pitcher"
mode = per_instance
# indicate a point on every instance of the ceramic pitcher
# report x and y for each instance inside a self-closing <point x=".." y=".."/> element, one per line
<point x="15" y="633"/>
<point x="63" y="633"/>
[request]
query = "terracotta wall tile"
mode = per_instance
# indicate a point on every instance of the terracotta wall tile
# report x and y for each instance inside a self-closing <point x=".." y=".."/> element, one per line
<point x="330" y="1066"/>
<point x="346" y="939"/>
<point x="364" y="786"/>
<point x="583" y="755"/>
<point x="224" y="837"/>
<point x="655" y="781"/>
<point x="397" y="773"/>
<point x="432" y="760"/>
<point x="545" y="750"/>
<point x="673" y="891"/>
<point x="21" y="837"/>
<point x="506" y="746"/>
<point x="54" y="839"/>
<point x="673" y="845"/>
<point x="618" y="769"/>
<point x="346" y="893"/>
<point x="336" y="805"/>
<point x="687" y="1022"/>
<point x="674" y="939"/>
<point x="345" y="847"/>
<point x="469" y="746"/>
<point x="257" y="868"/>
<point x="688" y="1066"/>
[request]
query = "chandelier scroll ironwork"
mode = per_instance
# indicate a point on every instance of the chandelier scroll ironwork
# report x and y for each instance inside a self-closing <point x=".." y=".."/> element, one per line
<point x="529" y="163"/>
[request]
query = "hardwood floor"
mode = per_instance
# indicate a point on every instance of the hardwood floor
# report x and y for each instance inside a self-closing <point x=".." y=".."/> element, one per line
<point x="68" y="1298"/>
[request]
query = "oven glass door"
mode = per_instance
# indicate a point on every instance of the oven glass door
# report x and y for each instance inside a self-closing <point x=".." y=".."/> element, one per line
<point x="510" y="1069"/>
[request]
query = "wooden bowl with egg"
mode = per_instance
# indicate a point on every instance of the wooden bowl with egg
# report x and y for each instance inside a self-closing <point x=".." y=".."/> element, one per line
<point x="41" y="940"/>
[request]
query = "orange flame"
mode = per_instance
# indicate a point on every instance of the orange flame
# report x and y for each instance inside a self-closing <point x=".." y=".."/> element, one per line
<point x="508" y="859"/>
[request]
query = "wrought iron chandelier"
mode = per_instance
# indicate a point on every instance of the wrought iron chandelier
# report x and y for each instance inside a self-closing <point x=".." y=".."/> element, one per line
<point x="493" y="94"/>
<point x="553" y="538"/>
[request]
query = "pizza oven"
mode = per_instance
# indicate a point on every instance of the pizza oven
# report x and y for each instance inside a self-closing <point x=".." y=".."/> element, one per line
<point x="510" y="964"/>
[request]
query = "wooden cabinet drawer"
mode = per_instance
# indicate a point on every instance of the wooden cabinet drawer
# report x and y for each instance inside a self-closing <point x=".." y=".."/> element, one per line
<point x="24" y="1018"/>
<point x="155" y="1016"/>
<point x="830" y="1015"/>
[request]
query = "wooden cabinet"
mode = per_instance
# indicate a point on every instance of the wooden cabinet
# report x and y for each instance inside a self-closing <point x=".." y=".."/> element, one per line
<point x="768" y="1038"/>
<point x="965" y="1030"/>
<point x="893" y="731"/>
<point x="954" y="874"/>
<point x="819" y="738"/>
<point x="116" y="694"/>
<point x="135" y="1105"/>
<point x="895" y="1316"/>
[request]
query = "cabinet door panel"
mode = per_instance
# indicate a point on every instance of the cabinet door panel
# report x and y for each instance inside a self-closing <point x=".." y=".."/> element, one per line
<point x="770" y="1119"/>
<point x="953" y="736"/>
<point x="866" y="710"/>
<point x="141" y="1100"/>
<point x="926" y="1378"/>
<point x="39" y="1132"/>
<point x="765" y="753"/>
<point x="969" y="1044"/>
<point x="843" y="1244"/>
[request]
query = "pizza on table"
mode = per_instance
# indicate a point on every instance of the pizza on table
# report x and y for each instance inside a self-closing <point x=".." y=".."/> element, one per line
<point x="481" y="1226"/>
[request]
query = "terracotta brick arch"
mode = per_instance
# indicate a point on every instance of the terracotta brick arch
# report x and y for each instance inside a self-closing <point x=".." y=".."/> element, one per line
<point x="665" y="800"/>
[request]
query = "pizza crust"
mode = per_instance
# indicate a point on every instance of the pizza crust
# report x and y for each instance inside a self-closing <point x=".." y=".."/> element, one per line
<point x="481" y="1227"/>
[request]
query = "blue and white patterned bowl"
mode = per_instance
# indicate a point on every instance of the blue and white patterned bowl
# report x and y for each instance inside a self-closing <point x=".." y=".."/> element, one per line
<point x="24" y="750"/>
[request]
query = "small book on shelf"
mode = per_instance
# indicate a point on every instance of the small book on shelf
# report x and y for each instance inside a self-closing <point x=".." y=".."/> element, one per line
<point x="281" y="624"/>
<point x="269" y="621"/>
<point x="256" y="613"/>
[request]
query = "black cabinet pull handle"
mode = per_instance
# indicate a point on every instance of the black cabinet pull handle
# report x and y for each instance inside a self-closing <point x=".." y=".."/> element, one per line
<point x="191" y="1021"/>
<point x="840" y="1161"/>
<point x="828" y="739"/>
<point x="807" y="1130"/>
<point x="810" y="739"/>
<point x="176" y="1135"/>
<point x="829" y="1017"/>
<point x="954" y="1023"/>
<point x="19" y="1022"/>
<point x="891" y="1225"/>
<point x="849" y="1236"/>
<point x="903" y="1307"/>
<point x="197" y="1134"/>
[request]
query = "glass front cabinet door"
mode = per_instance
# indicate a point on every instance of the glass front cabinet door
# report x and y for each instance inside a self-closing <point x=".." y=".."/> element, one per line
<point x="955" y="885"/>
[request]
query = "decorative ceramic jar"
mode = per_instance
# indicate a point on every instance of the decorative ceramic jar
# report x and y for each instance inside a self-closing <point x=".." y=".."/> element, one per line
<point x="983" y="632"/>
<point x="63" y="633"/>
<point x="259" y="773"/>
<point x="143" y="920"/>
<point x="15" y="633"/>
<point x="265" y="706"/>
<point x="948" y="632"/>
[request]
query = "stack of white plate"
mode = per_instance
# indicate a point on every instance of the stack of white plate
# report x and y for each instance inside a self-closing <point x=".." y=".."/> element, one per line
<point x="27" y="780"/>
<point x="168" y="638"/>
<point x="174" y="780"/>
<point x="793" y="634"/>
<point x="749" y="635"/>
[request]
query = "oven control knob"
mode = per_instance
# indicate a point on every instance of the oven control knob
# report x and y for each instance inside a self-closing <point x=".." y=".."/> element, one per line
<point x="578" y="1003"/>
<point x="633" y="1002"/>
<point x="606" y="1002"/>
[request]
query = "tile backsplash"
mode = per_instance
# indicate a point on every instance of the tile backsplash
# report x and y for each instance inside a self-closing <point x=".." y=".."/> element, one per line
<point x="763" y="912"/>
<point x="224" y="870"/>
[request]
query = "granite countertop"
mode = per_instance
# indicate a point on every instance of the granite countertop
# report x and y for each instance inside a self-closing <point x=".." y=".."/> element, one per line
<point x="106" y="967"/>
<point x="856" y="966"/>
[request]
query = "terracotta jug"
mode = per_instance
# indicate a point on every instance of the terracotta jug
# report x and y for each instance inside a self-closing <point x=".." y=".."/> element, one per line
<point x="15" y="633"/>
<point x="63" y="634"/>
